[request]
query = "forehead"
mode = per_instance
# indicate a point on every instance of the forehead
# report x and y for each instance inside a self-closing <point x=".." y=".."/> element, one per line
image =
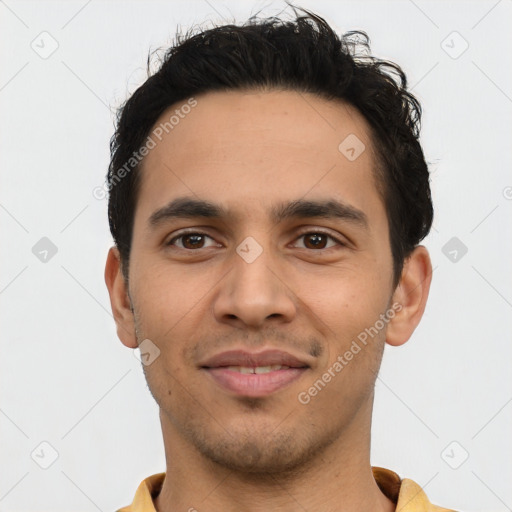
<point x="247" y="148"/>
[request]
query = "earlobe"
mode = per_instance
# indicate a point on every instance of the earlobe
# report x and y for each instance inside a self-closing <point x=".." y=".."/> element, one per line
<point x="412" y="294"/>
<point x="119" y="299"/>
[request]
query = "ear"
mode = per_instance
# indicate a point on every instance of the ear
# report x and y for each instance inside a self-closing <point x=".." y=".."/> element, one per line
<point x="119" y="299"/>
<point x="412" y="294"/>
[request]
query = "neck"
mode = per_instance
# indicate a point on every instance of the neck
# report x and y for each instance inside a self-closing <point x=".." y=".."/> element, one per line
<point x="338" y="478"/>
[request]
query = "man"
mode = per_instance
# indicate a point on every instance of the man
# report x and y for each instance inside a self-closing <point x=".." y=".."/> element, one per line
<point x="267" y="197"/>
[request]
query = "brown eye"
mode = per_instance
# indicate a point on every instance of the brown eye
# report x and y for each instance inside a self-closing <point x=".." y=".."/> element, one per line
<point x="190" y="241"/>
<point x="193" y="241"/>
<point x="318" y="240"/>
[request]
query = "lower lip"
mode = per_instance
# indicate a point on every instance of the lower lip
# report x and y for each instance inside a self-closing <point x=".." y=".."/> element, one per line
<point x="254" y="384"/>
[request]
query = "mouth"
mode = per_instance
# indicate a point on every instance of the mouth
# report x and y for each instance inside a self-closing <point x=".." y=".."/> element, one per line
<point x="254" y="375"/>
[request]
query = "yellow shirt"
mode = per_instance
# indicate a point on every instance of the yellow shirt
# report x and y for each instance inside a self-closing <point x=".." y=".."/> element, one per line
<point x="407" y="494"/>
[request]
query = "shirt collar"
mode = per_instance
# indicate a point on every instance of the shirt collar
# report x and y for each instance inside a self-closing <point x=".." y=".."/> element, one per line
<point x="405" y="493"/>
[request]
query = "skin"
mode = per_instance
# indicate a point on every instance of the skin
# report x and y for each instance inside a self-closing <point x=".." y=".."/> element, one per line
<point x="248" y="151"/>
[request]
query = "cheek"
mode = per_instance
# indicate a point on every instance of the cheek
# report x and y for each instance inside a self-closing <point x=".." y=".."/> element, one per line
<point x="171" y="308"/>
<point x="350" y="309"/>
<point x="347" y="298"/>
<point x="165" y="298"/>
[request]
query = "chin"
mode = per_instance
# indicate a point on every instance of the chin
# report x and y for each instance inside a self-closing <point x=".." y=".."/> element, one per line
<point x="264" y="454"/>
<point x="254" y="459"/>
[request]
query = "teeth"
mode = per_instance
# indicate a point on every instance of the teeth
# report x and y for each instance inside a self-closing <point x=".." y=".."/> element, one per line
<point x="265" y="369"/>
<point x="258" y="369"/>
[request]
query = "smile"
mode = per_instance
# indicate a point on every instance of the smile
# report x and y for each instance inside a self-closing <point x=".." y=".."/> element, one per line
<point x="254" y="381"/>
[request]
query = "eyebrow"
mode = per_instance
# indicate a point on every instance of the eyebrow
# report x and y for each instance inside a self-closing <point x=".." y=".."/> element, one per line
<point x="190" y="208"/>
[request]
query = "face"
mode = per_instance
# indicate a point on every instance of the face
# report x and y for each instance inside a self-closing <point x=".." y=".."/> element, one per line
<point x="292" y="255"/>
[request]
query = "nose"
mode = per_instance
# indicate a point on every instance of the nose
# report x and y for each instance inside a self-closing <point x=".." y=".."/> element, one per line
<point x="255" y="291"/>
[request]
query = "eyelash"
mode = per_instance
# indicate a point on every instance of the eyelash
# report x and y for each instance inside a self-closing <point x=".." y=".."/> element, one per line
<point x="313" y="232"/>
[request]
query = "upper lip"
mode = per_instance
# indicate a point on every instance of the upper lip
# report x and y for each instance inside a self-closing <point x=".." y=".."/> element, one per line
<point x="253" y="359"/>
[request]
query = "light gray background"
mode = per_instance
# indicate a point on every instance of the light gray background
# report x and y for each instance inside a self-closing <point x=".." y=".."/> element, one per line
<point x="66" y="378"/>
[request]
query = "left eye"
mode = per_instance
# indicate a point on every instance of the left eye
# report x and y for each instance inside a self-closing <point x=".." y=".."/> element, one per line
<point x="318" y="239"/>
<point x="195" y="240"/>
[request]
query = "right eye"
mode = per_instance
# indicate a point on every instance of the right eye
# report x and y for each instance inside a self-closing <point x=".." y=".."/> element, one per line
<point x="190" y="240"/>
